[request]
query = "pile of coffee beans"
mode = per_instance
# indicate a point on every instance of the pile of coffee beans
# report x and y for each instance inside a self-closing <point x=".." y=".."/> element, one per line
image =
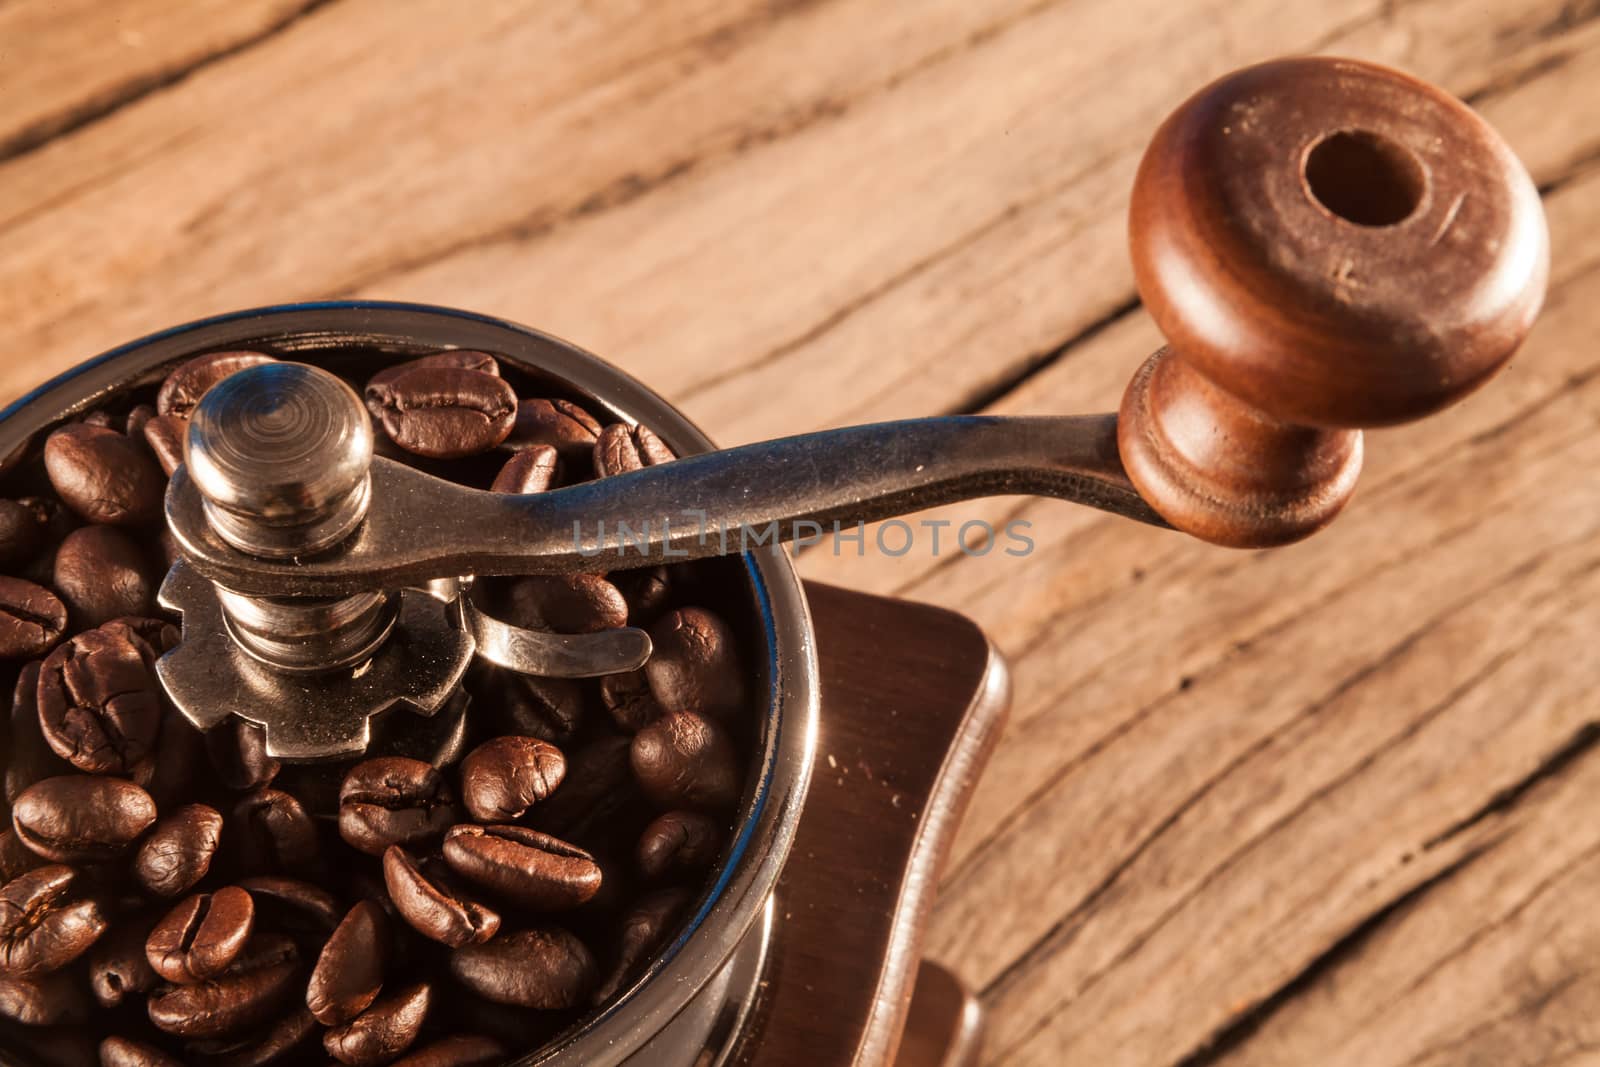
<point x="169" y="897"/>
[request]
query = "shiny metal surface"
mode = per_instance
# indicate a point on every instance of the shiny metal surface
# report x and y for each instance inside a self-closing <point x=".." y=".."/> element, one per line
<point x="279" y="453"/>
<point x="310" y="634"/>
<point x="324" y="715"/>
<point x="554" y="655"/>
<point x="420" y="527"/>
<point x="741" y="891"/>
<point x="714" y="1021"/>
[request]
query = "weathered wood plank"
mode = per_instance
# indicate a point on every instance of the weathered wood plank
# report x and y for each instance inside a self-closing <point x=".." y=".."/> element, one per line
<point x="1238" y="788"/>
<point x="1551" y="149"/>
<point x="1494" y="966"/>
<point x="1072" y="571"/>
<point x="1145" y="744"/>
<point x="66" y="63"/>
<point x="439" y="142"/>
<point x="998" y="154"/>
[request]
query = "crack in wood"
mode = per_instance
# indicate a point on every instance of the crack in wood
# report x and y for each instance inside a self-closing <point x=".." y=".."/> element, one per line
<point x="986" y="397"/>
<point x="45" y="130"/>
<point x="1100" y="744"/>
<point x="1572" y="15"/>
<point x="1243" y="1026"/>
<point x="632" y="187"/>
<point x="1479" y="933"/>
<point x="1575" y="168"/>
<point x="1063" y="933"/>
<point x="1580" y="744"/>
<point x="1516" y="78"/>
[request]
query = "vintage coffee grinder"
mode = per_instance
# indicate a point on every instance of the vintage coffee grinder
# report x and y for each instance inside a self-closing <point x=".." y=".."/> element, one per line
<point x="1327" y="245"/>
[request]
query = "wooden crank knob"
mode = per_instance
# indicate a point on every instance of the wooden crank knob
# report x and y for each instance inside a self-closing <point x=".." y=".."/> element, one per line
<point x="1326" y="244"/>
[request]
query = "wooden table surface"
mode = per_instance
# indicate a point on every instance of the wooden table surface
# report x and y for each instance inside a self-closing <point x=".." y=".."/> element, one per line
<point x="1335" y="804"/>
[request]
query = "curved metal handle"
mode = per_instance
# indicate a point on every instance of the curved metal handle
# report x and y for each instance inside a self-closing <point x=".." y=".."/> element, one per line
<point x="419" y="527"/>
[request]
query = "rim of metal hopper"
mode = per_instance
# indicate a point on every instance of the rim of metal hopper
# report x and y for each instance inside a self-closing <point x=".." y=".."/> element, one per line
<point x="727" y="909"/>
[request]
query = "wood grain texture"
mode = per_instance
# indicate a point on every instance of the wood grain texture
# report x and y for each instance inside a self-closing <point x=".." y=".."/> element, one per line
<point x="1330" y="804"/>
<point x="67" y="64"/>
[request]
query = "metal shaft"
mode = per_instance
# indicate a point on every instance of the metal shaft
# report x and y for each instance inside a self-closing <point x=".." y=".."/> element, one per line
<point x="419" y="527"/>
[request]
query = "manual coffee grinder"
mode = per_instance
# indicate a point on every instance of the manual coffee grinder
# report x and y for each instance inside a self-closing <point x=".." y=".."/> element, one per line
<point x="1327" y="245"/>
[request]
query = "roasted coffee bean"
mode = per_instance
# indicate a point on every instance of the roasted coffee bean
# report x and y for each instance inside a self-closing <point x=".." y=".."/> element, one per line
<point x="383" y="1031"/>
<point x="103" y="574"/>
<point x="462" y="1050"/>
<point x="276" y="1044"/>
<point x="550" y="709"/>
<point x="160" y="635"/>
<point x="22" y="532"/>
<point x="565" y="603"/>
<point x="105" y="476"/>
<point x="274" y="832"/>
<point x="599" y="778"/>
<point x="15" y="857"/>
<point x="178" y="852"/>
<point x="679" y="844"/>
<point x="124" y="1052"/>
<point x="132" y="423"/>
<point x="238" y="753"/>
<point x="165" y="435"/>
<point x="235" y="992"/>
<point x="45" y="1000"/>
<point x="628" y="698"/>
<point x="55" y="520"/>
<point x="545" y="967"/>
<point x="254" y="990"/>
<point x="561" y="424"/>
<point x="454" y="359"/>
<point x="644" y="929"/>
<point x="180" y="749"/>
<point x="118" y="964"/>
<point x="433" y="905"/>
<point x="42" y="929"/>
<point x="203" y="936"/>
<point x="32" y="619"/>
<point x="502" y="778"/>
<point x="349" y="973"/>
<point x="695" y="665"/>
<point x="533" y="470"/>
<point x="621" y="448"/>
<point x="184" y="387"/>
<point x="292" y="905"/>
<point x="444" y="412"/>
<point x="394" y="801"/>
<point x="685" y="760"/>
<point x="82" y="819"/>
<point x="30" y="758"/>
<point x="99" y="700"/>
<point x="535" y="870"/>
<point x="645" y="591"/>
<point x="139" y="417"/>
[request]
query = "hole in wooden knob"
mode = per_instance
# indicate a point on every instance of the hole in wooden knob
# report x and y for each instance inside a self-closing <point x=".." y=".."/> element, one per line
<point x="1365" y="178"/>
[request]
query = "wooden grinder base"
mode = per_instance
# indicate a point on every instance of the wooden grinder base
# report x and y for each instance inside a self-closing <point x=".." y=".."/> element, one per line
<point x="913" y="698"/>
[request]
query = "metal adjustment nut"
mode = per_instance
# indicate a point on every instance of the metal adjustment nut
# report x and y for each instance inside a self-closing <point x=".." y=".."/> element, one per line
<point x="281" y="455"/>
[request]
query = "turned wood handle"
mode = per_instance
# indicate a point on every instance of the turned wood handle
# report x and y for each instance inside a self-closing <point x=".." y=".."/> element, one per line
<point x="1327" y="245"/>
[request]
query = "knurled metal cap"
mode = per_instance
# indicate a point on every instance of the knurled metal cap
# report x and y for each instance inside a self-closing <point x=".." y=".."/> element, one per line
<point x="281" y="453"/>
